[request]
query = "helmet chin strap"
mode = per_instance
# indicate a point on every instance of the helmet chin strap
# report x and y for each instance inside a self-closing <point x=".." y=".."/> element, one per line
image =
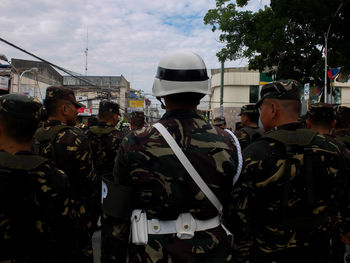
<point x="161" y="102"/>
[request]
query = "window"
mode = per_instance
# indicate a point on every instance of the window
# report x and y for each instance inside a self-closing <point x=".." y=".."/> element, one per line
<point x="253" y="93"/>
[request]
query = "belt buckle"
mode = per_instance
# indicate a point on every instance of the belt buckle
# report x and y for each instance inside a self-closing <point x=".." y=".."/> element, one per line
<point x="185" y="226"/>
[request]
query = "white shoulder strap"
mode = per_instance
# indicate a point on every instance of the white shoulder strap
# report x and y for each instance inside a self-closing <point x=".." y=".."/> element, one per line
<point x="240" y="158"/>
<point x="188" y="166"/>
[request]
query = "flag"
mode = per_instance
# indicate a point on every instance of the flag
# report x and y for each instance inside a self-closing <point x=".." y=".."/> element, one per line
<point x="342" y="77"/>
<point x="332" y="73"/>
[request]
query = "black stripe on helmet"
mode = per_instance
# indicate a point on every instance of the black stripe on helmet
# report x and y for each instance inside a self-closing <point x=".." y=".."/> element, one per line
<point x="182" y="74"/>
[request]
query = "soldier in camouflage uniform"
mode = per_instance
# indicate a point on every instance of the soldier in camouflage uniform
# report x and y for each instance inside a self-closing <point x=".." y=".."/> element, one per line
<point x="147" y="170"/>
<point x="321" y="117"/>
<point x="250" y="131"/>
<point x="137" y="120"/>
<point x="220" y="122"/>
<point x="69" y="149"/>
<point x="342" y="126"/>
<point x="288" y="197"/>
<point x="33" y="193"/>
<point x="105" y="138"/>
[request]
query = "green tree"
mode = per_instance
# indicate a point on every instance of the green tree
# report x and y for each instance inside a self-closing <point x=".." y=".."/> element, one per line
<point x="287" y="37"/>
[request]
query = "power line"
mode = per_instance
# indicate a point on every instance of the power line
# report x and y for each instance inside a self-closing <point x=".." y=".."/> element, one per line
<point x="47" y="62"/>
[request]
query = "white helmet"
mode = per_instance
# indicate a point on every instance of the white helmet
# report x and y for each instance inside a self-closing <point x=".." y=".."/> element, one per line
<point x="181" y="72"/>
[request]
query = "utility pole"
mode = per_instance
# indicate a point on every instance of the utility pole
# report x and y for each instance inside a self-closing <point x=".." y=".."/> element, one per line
<point x="326" y="54"/>
<point x="86" y="51"/>
<point x="222" y="90"/>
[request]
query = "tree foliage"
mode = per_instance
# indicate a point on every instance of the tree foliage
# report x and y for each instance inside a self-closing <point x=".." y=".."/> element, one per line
<point x="287" y="36"/>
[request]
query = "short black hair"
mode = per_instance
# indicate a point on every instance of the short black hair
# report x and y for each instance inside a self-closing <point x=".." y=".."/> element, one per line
<point x="51" y="106"/>
<point x="21" y="130"/>
<point x="253" y="117"/>
<point x="325" y="121"/>
<point x="106" y="115"/>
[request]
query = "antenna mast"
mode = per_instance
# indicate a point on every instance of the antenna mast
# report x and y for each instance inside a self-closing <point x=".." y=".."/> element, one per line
<point x="86" y="51"/>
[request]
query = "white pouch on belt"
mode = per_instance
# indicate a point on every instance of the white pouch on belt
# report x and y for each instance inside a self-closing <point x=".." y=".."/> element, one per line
<point x="185" y="226"/>
<point x="139" y="231"/>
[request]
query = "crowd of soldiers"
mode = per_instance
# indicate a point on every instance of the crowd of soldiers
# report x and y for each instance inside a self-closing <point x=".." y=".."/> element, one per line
<point x="182" y="190"/>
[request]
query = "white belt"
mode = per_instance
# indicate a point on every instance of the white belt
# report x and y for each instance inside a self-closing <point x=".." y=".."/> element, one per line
<point x="185" y="225"/>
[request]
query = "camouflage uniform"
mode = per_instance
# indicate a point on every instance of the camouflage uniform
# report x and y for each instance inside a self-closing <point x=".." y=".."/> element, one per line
<point x="137" y="120"/>
<point x="247" y="134"/>
<point x="33" y="198"/>
<point x="283" y="212"/>
<point x="163" y="188"/>
<point x="105" y="140"/>
<point x="342" y="131"/>
<point x="69" y="149"/>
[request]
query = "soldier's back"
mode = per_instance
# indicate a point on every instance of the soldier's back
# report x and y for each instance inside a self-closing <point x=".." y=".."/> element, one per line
<point x="248" y="135"/>
<point x="34" y="224"/>
<point x="343" y="136"/>
<point x="69" y="150"/>
<point x="291" y="185"/>
<point x="164" y="189"/>
<point x="104" y="140"/>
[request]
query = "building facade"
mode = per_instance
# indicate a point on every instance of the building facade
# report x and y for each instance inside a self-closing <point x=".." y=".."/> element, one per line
<point x="92" y="89"/>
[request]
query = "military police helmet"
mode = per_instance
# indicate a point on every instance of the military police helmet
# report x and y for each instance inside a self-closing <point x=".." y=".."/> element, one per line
<point x="180" y="73"/>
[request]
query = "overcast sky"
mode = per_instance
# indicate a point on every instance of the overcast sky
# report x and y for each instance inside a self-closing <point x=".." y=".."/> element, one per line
<point x="125" y="37"/>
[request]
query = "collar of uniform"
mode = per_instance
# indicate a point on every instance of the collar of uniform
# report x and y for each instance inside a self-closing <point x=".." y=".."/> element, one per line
<point x="289" y="126"/>
<point x="342" y="133"/>
<point x="180" y="114"/>
<point x="24" y="153"/>
<point x="53" y="123"/>
<point x="104" y="124"/>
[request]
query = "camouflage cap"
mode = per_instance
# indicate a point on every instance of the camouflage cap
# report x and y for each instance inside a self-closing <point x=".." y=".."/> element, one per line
<point x="250" y="108"/>
<point x="281" y="90"/>
<point x="342" y="114"/>
<point x="321" y="111"/>
<point x="108" y="106"/>
<point x="219" y="121"/>
<point x="21" y="106"/>
<point x="137" y="115"/>
<point x="61" y="93"/>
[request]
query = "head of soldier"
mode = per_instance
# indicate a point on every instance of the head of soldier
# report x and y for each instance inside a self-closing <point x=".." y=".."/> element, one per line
<point x="137" y="120"/>
<point x="19" y="118"/>
<point x="249" y="116"/>
<point x="220" y="122"/>
<point x="181" y="80"/>
<point x="342" y="116"/>
<point x="279" y="103"/>
<point x="108" y="112"/>
<point x="60" y="104"/>
<point x="321" y="117"/>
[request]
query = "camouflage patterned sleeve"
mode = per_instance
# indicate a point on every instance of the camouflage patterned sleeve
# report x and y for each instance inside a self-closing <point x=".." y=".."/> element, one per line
<point x="240" y="218"/>
<point x="52" y="197"/>
<point x="243" y="138"/>
<point x="115" y="231"/>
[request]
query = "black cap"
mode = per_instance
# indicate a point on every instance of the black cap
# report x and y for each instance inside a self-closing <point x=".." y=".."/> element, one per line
<point x="108" y="106"/>
<point x="250" y="108"/>
<point x="21" y="106"/>
<point x="321" y="111"/>
<point x="61" y="93"/>
<point x="218" y="121"/>
<point x="281" y="90"/>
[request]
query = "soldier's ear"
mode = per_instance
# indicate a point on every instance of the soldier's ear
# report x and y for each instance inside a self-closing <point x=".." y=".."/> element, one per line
<point x="308" y="123"/>
<point x="115" y="118"/>
<point x="334" y="123"/>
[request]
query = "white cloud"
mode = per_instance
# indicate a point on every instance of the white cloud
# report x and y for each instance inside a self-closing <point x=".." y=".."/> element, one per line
<point x="125" y="37"/>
